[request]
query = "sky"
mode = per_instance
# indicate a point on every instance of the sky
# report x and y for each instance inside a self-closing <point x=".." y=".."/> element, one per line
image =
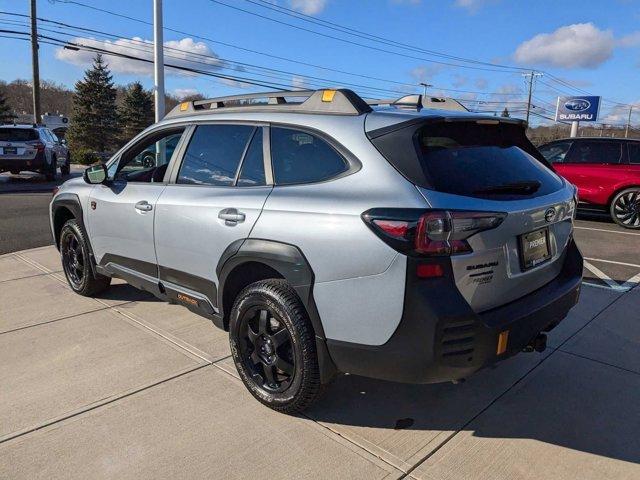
<point x="474" y="50"/>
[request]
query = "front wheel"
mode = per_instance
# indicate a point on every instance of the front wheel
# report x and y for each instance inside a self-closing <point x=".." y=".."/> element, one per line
<point x="625" y="208"/>
<point x="273" y="346"/>
<point x="74" y="251"/>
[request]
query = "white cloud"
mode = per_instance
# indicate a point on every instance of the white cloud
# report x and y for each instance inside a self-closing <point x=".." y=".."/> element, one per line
<point x="459" y="81"/>
<point x="181" y="93"/>
<point x="425" y="72"/>
<point x="631" y="40"/>
<point x="298" y="83"/>
<point x="481" y="83"/>
<point x="581" y="45"/>
<point x="308" y="7"/>
<point x="183" y="53"/>
<point x="619" y="114"/>
<point x="470" y="6"/>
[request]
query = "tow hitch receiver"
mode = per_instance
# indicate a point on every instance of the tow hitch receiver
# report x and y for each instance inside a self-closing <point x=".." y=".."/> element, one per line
<point x="538" y="344"/>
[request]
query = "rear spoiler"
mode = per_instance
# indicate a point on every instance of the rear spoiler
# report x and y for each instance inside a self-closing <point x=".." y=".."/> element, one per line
<point x="478" y="119"/>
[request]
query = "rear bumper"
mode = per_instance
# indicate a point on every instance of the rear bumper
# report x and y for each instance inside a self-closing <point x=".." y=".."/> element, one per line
<point x="440" y="338"/>
<point x="32" y="164"/>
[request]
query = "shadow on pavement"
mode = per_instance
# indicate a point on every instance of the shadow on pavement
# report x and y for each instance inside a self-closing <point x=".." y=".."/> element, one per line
<point x="33" y="182"/>
<point x="123" y="292"/>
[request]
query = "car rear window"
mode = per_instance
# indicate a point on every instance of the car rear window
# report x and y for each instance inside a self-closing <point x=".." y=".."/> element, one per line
<point x="18" y="134"/>
<point x="472" y="159"/>
<point x="481" y="160"/>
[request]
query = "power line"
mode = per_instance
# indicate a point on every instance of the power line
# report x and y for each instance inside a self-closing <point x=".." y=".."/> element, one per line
<point x="244" y="64"/>
<point x="365" y="35"/>
<point x="201" y="37"/>
<point x="344" y="40"/>
<point x="72" y="45"/>
<point x="219" y="62"/>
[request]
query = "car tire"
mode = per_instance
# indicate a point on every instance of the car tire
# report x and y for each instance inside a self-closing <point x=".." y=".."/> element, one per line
<point x="65" y="169"/>
<point x="273" y="346"/>
<point x="50" y="171"/>
<point x="625" y="208"/>
<point x="76" y="261"/>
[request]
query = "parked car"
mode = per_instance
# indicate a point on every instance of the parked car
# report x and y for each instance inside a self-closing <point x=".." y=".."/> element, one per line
<point x="401" y="243"/>
<point x="606" y="172"/>
<point x="32" y="148"/>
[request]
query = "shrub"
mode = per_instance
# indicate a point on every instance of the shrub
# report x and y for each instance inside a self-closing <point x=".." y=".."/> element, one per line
<point x="84" y="156"/>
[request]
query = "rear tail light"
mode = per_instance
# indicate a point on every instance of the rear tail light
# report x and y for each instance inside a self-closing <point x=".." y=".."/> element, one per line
<point x="39" y="146"/>
<point x="430" y="232"/>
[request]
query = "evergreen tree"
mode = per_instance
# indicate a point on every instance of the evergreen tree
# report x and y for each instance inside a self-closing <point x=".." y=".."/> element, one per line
<point x="505" y="113"/>
<point x="136" y="112"/>
<point x="6" y="115"/>
<point x="94" y="124"/>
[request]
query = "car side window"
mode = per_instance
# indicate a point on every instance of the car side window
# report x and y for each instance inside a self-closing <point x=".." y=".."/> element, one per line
<point x="214" y="154"/>
<point x="45" y="135"/>
<point x="300" y="157"/>
<point x="634" y="153"/>
<point x="252" y="169"/>
<point x="555" y="152"/>
<point x="148" y="159"/>
<point x="601" y="152"/>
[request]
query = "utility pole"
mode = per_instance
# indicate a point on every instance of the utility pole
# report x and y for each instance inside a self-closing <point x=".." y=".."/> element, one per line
<point x="626" y="130"/>
<point x="34" y="63"/>
<point x="158" y="59"/>
<point x="424" y="88"/>
<point x="531" y="76"/>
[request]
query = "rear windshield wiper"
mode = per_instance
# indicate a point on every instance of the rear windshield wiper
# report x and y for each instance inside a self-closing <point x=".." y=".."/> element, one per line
<point x="515" y="188"/>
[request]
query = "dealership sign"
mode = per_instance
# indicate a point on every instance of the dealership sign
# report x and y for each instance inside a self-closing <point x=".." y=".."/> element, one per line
<point x="577" y="109"/>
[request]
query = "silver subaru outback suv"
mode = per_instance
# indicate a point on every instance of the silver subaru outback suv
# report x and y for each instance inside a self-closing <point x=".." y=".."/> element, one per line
<point x="397" y="242"/>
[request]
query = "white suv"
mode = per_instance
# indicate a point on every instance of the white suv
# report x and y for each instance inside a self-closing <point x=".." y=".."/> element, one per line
<point x="400" y="243"/>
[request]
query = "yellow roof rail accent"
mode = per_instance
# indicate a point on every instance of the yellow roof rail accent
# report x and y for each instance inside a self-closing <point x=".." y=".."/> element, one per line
<point x="327" y="95"/>
<point x="184" y="106"/>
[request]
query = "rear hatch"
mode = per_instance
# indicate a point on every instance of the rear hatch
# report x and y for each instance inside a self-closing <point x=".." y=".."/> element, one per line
<point x="470" y="164"/>
<point x="18" y="142"/>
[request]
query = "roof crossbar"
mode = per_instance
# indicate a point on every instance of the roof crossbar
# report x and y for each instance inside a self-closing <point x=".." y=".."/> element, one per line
<point x="328" y="101"/>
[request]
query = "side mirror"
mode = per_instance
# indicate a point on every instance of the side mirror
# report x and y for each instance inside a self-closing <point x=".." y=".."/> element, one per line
<point x="95" y="174"/>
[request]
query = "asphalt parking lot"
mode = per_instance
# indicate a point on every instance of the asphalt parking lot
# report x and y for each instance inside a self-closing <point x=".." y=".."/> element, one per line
<point x="24" y="209"/>
<point x="124" y="386"/>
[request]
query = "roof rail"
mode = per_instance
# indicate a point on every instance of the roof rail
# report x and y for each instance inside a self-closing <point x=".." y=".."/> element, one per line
<point x="327" y="101"/>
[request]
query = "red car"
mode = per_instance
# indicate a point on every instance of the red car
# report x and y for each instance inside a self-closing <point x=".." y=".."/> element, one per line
<point x="606" y="172"/>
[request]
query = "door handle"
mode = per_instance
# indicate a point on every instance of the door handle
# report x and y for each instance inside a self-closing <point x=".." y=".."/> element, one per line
<point x="144" y="206"/>
<point x="231" y="216"/>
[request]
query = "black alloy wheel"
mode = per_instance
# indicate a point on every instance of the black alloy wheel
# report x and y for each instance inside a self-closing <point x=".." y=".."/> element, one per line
<point x="76" y="261"/>
<point x="273" y="346"/>
<point x="625" y="208"/>
<point x="267" y="349"/>
<point x="73" y="260"/>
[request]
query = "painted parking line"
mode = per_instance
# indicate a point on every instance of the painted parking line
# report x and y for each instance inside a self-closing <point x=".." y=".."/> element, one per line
<point x="607" y="230"/>
<point x="611" y="284"/>
<point x="612" y="261"/>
